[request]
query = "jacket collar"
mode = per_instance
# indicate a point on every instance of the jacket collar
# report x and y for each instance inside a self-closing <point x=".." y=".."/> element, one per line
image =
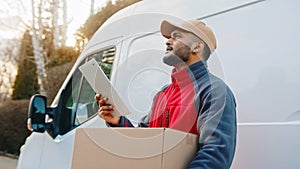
<point x="189" y="74"/>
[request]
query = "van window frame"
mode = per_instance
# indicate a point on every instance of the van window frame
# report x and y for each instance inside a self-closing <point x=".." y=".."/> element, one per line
<point x="65" y="104"/>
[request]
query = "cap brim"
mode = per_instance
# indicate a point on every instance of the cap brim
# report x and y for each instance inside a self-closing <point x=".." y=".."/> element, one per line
<point x="166" y="28"/>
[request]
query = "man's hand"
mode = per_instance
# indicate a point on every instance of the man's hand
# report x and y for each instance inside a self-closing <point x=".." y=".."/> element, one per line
<point x="105" y="110"/>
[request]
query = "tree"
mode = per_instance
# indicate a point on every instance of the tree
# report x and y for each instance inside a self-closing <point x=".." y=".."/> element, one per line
<point x="48" y="33"/>
<point x="38" y="50"/>
<point x="92" y="7"/>
<point x="92" y="24"/>
<point x="8" y="55"/>
<point x="9" y="44"/>
<point x="26" y="83"/>
<point x="59" y="22"/>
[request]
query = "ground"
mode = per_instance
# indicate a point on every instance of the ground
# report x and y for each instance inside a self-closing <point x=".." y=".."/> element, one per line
<point x="8" y="162"/>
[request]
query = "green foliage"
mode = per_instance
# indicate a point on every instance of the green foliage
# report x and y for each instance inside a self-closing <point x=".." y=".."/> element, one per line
<point x="61" y="56"/>
<point x="95" y="21"/>
<point x="26" y="83"/>
<point x="26" y="45"/>
<point x="55" y="77"/>
<point x="13" y="130"/>
<point x="107" y="61"/>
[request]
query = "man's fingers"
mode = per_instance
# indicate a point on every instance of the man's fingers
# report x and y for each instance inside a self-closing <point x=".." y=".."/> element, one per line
<point x="106" y="108"/>
<point x="98" y="97"/>
<point x="106" y="115"/>
<point x="102" y="101"/>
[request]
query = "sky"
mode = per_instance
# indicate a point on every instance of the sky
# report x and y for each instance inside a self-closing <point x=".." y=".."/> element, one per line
<point x="13" y="12"/>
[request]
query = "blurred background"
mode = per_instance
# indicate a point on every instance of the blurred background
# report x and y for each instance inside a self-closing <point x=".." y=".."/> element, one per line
<point x="40" y="41"/>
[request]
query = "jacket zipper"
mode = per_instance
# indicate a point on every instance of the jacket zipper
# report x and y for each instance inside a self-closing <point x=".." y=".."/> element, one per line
<point x="162" y="120"/>
<point x="167" y="118"/>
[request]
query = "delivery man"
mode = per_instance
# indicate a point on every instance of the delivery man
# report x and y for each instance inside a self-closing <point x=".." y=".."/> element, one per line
<point x="196" y="101"/>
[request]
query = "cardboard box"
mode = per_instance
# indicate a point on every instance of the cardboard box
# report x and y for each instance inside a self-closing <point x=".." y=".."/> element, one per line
<point x="133" y="148"/>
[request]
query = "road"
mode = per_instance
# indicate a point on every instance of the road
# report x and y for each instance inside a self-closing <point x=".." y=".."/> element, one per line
<point x="8" y="163"/>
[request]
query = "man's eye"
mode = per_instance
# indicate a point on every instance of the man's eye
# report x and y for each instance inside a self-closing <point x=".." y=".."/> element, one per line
<point x="176" y="35"/>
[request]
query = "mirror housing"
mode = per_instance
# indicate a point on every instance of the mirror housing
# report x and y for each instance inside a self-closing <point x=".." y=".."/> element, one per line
<point x="37" y="113"/>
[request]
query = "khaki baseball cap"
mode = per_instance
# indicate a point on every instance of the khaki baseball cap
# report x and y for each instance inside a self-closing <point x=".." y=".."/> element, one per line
<point x="196" y="27"/>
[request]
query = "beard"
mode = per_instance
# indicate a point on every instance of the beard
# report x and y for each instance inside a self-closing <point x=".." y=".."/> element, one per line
<point x="180" y="56"/>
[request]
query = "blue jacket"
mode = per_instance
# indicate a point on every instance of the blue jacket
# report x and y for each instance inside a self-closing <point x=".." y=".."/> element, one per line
<point x="200" y="103"/>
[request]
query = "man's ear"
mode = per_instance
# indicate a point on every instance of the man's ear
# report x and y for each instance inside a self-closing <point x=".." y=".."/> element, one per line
<point x="197" y="47"/>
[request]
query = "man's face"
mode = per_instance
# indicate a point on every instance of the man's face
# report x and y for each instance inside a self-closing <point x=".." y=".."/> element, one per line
<point x="178" y="48"/>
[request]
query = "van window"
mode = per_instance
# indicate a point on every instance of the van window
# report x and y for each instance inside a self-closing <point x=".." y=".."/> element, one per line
<point x="105" y="59"/>
<point x="87" y="106"/>
<point x="78" y="103"/>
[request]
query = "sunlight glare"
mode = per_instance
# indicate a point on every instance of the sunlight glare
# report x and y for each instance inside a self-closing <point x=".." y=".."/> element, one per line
<point x="78" y="13"/>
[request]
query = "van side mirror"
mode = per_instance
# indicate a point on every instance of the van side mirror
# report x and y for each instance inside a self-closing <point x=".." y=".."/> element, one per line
<point x="37" y="113"/>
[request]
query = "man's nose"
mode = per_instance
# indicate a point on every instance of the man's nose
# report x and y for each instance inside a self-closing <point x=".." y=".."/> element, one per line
<point x="169" y="42"/>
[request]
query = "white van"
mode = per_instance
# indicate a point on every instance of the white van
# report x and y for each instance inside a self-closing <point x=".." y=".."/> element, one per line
<point x="256" y="56"/>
